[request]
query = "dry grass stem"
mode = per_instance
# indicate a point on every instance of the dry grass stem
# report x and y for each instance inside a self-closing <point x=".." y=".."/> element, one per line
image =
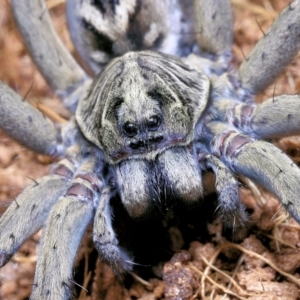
<point x="267" y="261"/>
<point x="255" y="9"/>
<point x="222" y="288"/>
<point x="261" y="201"/>
<point x="279" y="240"/>
<point x="24" y="259"/>
<point x="229" y="277"/>
<point x="51" y="114"/>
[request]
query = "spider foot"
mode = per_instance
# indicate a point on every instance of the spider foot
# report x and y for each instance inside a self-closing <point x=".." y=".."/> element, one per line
<point x="231" y="208"/>
<point x="105" y="239"/>
<point x="233" y="213"/>
<point x="115" y="257"/>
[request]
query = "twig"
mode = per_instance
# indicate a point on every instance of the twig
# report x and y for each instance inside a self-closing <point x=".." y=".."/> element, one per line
<point x="267" y="261"/>
<point x="232" y="281"/>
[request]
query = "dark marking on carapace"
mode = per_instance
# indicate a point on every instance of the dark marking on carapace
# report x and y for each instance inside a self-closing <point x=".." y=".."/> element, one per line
<point x="33" y="207"/>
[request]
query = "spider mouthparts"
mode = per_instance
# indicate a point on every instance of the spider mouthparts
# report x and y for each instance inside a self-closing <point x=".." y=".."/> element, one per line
<point x="142" y="143"/>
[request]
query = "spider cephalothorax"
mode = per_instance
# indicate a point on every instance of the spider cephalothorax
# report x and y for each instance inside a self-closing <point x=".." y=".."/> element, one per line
<point x="142" y="104"/>
<point x="163" y="110"/>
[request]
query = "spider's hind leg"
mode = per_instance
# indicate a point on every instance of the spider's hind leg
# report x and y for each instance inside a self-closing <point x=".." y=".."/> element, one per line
<point x="273" y="52"/>
<point x="54" y="61"/>
<point x="27" y="125"/>
<point x="214" y="27"/>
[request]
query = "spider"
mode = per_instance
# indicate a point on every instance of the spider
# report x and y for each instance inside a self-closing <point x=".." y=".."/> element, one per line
<point x="165" y="107"/>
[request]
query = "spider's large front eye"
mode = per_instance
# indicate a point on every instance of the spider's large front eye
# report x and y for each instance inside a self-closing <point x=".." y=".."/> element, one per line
<point x="153" y="123"/>
<point x="130" y="129"/>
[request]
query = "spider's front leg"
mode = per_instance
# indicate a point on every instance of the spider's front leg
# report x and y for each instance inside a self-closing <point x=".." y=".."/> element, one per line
<point x="231" y="208"/>
<point x="65" y="227"/>
<point x="33" y="205"/>
<point x="214" y="27"/>
<point x="105" y="239"/>
<point x="275" y="117"/>
<point x="260" y="161"/>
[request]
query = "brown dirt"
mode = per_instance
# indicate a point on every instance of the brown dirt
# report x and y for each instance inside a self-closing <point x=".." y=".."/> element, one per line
<point x="190" y="256"/>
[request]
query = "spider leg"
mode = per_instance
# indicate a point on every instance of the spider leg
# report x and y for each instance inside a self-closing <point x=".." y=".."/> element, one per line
<point x="27" y="125"/>
<point x="214" y="27"/>
<point x="63" y="232"/>
<point x="273" y="52"/>
<point x="278" y="116"/>
<point x="260" y="161"/>
<point x="227" y="187"/>
<point x="54" y="61"/>
<point x="105" y="240"/>
<point x="32" y="207"/>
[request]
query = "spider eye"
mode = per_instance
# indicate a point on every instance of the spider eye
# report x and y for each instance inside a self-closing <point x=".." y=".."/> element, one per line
<point x="130" y="129"/>
<point x="153" y="123"/>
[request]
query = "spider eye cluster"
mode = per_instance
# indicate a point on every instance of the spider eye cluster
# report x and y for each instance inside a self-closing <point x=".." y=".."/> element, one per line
<point x="142" y="104"/>
<point x="152" y="124"/>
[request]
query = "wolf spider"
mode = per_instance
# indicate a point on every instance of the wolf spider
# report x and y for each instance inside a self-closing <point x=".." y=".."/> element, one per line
<point x="165" y="107"/>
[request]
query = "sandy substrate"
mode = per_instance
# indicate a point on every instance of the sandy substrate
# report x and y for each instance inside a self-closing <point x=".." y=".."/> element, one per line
<point x="186" y="254"/>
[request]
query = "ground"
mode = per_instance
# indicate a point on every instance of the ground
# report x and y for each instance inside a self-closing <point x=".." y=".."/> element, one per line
<point x="186" y="255"/>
